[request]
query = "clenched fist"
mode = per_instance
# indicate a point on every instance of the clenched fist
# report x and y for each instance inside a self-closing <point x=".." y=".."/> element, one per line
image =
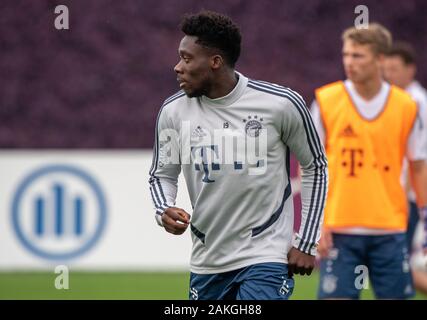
<point x="175" y="220"/>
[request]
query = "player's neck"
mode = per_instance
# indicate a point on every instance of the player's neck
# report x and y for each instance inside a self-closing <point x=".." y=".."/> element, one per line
<point x="369" y="88"/>
<point x="224" y="84"/>
<point x="407" y="83"/>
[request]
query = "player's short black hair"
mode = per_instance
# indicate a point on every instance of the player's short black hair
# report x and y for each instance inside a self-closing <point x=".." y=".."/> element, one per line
<point x="214" y="30"/>
<point x="403" y="50"/>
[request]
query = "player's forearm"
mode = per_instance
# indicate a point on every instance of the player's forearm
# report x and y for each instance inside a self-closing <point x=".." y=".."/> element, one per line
<point x="418" y="175"/>
<point x="163" y="193"/>
<point x="314" y="188"/>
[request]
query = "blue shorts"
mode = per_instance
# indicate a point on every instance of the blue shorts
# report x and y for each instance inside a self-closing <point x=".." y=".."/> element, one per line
<point x="263" y="281"/>
<point x="383" y="259"/>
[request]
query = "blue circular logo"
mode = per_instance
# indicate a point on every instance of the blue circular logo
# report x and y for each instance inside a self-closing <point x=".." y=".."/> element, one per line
<point x="58" y="212"/>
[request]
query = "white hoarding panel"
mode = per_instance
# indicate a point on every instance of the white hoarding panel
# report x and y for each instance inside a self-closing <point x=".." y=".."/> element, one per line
<point x="86" y="209"/>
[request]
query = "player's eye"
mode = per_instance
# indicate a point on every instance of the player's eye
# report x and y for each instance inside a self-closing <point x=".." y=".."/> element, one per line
<point x="185" y="58"/>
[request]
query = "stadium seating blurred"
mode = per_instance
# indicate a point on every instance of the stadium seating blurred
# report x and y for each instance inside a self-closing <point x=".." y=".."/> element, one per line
<point x="100" y="84"/>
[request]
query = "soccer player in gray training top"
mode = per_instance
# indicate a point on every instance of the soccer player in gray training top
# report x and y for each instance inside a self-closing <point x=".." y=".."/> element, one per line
<point x="232" y="138"/>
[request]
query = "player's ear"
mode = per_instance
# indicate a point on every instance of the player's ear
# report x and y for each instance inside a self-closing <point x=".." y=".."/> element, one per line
<point x="217" y="62"/>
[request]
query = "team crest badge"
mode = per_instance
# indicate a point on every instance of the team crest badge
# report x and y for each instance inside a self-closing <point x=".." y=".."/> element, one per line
<point x="253" y="125"/>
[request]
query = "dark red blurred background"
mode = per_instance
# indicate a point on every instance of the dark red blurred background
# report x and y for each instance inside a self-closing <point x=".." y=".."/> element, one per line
<point x="101" y="83"/>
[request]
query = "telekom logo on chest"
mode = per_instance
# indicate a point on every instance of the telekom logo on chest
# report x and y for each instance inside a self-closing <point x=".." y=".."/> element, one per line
<point x="239" y="148"/>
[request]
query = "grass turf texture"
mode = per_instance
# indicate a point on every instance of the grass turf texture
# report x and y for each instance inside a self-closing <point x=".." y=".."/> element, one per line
<point x="125" y="285"/>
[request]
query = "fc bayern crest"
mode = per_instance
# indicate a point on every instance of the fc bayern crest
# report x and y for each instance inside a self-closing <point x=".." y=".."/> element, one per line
<point x="253" y="126"/>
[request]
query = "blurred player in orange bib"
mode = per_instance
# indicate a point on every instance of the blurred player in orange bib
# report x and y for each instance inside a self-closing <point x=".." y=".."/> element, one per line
<point x="368" y="127"/>
<point x="400" y="69"/>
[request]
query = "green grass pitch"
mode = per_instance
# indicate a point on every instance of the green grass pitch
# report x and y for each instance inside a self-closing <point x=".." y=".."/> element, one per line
<point x="124" y="285"/>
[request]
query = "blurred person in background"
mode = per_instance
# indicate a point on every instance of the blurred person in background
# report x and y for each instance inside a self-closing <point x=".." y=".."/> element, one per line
<point x="400" y="69"/>
<point x="244" y="246"/>
<point x="368" y="126"/>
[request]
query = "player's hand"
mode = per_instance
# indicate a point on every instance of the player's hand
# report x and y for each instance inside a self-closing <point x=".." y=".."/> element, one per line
<point x="325" y="243"/>
<point x="300" y="262"/>
<point x="175" y="220"/>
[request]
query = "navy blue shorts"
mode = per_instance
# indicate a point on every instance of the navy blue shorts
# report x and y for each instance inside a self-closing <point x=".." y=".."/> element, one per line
<point x="263" y="281"/>
<point x="383" y="258"/>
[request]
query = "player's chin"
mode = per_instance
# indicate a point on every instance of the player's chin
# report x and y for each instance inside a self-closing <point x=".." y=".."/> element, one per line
<point x="191" y="93"/>
<point x="354" y="78"/>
